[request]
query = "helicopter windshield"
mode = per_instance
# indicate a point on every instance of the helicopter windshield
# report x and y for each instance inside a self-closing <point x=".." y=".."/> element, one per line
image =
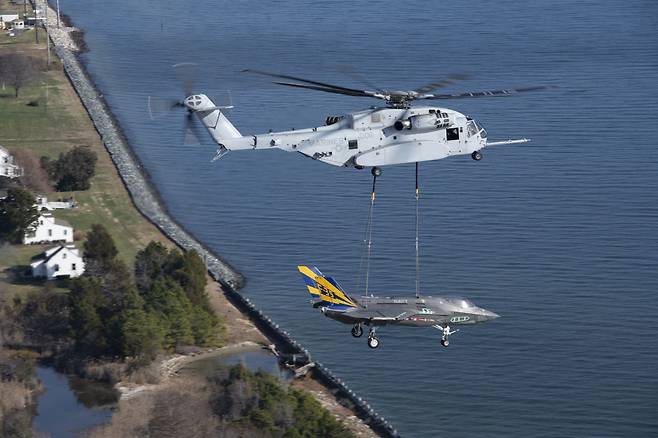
<point x="483" y="132"/>
<point x="471" y="128"/>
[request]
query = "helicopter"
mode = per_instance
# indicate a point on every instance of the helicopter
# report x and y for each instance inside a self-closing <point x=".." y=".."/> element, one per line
<point x="396" y="133"/>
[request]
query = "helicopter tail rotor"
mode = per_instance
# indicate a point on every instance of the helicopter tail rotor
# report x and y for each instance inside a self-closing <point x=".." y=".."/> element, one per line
<point x="209" y="113"/>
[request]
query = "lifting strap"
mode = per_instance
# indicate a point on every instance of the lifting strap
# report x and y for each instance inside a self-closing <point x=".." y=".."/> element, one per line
<point x="367" y="241"/>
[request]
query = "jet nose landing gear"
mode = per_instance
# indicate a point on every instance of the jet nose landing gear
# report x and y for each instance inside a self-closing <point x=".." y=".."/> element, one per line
<point x="446" y="332"/>
<point x="373" y="342"/>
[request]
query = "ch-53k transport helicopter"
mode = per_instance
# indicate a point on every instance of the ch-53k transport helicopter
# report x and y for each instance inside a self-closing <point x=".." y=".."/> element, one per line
<point x="380" y="136"/>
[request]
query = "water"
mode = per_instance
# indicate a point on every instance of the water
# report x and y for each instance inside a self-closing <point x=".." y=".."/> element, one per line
<point x="252" y="360"/>
<point x="69" y="405"/>
<point x="559" y="236"/>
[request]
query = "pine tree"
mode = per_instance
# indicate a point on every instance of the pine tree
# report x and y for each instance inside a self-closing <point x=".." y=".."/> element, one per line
<point x="18" y="212"/>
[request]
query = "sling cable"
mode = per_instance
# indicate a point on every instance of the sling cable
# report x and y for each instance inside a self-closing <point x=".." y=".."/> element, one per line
<point x="367" y="240"/>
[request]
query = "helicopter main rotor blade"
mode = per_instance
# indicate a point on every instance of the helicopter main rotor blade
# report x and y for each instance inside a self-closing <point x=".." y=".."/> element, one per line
<point x="346" y="92"/>
<point x="441" y="83"/>
<point x="313" y="85"/>
<point x="490" y="93"/>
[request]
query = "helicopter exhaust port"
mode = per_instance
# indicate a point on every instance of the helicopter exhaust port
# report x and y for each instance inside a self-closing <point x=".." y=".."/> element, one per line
<point x="402" y="124"/>
<point x="333" y="119"/>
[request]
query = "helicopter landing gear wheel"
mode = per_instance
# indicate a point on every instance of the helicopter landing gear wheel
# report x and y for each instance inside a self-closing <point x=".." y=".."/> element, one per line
<point x="445" y="342"/>
<point x="357" y="331"/>
<point x="476" y="155"/>
<point x="376" y="171"/>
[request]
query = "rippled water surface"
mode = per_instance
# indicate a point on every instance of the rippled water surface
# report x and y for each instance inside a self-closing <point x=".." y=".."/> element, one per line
<point x="559" y="236"/>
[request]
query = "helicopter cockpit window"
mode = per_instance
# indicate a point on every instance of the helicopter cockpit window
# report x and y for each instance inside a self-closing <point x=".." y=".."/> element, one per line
<point x="452" y="134"/>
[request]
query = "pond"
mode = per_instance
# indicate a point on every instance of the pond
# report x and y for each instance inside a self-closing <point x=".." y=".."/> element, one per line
<point x="69" y="404"/>
<point x="252" y="360"/>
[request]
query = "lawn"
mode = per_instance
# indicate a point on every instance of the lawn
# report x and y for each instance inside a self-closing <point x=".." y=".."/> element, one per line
<point x="48" y="118"/>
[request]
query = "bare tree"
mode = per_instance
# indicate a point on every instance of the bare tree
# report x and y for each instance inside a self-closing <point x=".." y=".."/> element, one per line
<point x="18" y="70"/>
<point x="34" y="176"/>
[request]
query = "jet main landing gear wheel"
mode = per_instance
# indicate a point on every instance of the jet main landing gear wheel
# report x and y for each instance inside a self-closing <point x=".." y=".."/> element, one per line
<point x="373" y="342"/>
<point x="445" y="342"/>
<point x="357" y="331"/>
<point x="477" y="155"/>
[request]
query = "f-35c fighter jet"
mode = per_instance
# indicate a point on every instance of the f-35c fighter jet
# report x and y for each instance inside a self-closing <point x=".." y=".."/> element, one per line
<point x="425" y="311"/>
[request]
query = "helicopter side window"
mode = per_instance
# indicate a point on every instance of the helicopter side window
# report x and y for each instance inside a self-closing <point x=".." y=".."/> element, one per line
<point x="452" y="134"/>
<point x="353" y="144"/>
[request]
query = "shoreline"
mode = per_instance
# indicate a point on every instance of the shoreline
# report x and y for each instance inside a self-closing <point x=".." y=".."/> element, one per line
<point x="149" y="203"/>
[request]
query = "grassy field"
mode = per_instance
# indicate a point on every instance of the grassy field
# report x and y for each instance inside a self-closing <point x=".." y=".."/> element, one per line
<point x="55" y="125"/>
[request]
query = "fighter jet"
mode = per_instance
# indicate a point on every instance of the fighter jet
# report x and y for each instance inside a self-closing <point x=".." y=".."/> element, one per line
<point x="371" y="311"/>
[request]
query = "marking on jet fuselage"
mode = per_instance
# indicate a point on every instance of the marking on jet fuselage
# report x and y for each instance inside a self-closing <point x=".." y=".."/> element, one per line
<point x="460" y="318"/>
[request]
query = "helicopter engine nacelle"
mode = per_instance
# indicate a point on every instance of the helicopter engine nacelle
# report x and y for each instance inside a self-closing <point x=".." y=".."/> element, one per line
<point x="423" y="122"/>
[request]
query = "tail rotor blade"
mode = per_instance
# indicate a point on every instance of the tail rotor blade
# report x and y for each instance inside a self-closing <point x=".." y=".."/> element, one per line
<point x="158" y="106"/>
<point x="188" y="75"/>
<point x="193" y="134"/>
<point x="223" y="100"/>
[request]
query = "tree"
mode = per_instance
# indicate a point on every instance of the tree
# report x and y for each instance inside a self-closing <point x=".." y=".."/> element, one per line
<point x="192" y="277"/>
<point x="34" y="177"/>
<point x="87" y="324"/>
<point x="18" y="70"/>
<point x="18" y="213"/>
<point x="73" y="169"/>
<point x="150" y="264"/>
<point x="140" y="333"/>
<point x="99" y="246"/>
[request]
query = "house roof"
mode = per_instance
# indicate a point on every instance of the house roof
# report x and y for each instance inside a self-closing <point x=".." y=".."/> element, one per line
<point x="45" y="258"/>
<point x="62" y="222"/>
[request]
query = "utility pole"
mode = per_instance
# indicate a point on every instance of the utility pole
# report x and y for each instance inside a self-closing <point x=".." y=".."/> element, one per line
<point x="45" y="8"/>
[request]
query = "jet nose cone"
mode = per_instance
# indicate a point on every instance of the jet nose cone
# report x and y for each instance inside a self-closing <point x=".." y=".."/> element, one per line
<point x="491" y="315"/>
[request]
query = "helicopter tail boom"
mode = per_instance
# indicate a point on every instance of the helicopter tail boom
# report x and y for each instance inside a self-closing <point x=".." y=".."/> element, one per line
<point x="211" y="116"/>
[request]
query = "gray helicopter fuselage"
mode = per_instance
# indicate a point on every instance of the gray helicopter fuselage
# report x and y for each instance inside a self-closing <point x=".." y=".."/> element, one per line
<point x="377" y="137"/>
<point x="425" y="311"/>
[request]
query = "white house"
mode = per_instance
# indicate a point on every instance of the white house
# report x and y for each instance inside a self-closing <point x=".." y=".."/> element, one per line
<point x="5" y="19"/>
<point x="48" y="229"/>
<point x="7" y="166"/>
<point x="59" y="261"/>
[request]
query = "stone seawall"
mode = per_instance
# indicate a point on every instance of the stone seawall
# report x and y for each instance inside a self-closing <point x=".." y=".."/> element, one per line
<point x="144" y="197"/>
<point x="148" y="203"/>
